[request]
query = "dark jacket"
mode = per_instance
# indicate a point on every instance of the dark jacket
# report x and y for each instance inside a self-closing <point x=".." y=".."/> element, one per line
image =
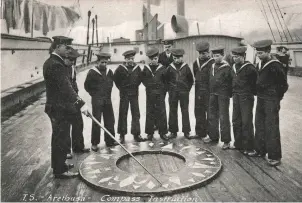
<point x="99" y="84"/>
<point x="127" y="79"/>
<point x="201" y="69"/>
<point x="60" y="94"/>
<point x="244" y="79"/>
<point x="153" y="78"/>
<point x="284" y="59"/>
<point x="221" y="79"/>
<point x="271" y="81"/>
<point x="179" y="77"/>
<point x="164" y="60"/>
<point x="73" y="78"/>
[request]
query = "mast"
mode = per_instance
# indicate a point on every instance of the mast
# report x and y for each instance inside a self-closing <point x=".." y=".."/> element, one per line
<point x="89" y="14"/>
<point x="92" y="30"/>
<point x="96" y="29"/>
<point x="32" y="19"/>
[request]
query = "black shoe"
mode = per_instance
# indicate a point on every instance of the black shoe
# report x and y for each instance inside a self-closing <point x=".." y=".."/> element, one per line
<point x="69" y="166"/>
<point x="256" y="154"/>
<point x="94" y="148"/>
<point x="164" y="137"/>
<point x="190" y="136"/>
<point x="122" y="139"/>
<point x="172" y="135"/>
<point x="84" y="150"/>
<point x="69" y="156"/>
<point x="150" y="137"/>
<point x="111" y="144"/>
<point x="67" y="174"/>
<point x="139" y="138"/>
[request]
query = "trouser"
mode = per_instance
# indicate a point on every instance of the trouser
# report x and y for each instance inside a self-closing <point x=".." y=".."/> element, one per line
<point x="219" y="113"/>
<point x="125" y="100"/>
<point x="243" y="127"/>
<point x="201" y="112"/>
<point x="267" y="136"/>
<point x="77" y="139"/>
<point x="183" y="98"/>
<point x="100" y="107"/>
<point x="60" y="123"/>
<point x="156" y="113"/>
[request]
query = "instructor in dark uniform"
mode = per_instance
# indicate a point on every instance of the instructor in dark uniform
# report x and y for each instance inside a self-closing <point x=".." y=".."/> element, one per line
<point x="98" y="84"/>
<point x="283" y="57"/>
<point x="61" y="102"/>
<point x="201" y="69"/>
<point x="166" y="58"/>
<point x="127" y="78"/>
<point x="153" y="77"/>
<point x="244" y="89"/>
<point x="271" y="86"/>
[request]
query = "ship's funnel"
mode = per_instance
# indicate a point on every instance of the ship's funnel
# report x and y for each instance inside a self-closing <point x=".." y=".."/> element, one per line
<point x="180" y="25"/>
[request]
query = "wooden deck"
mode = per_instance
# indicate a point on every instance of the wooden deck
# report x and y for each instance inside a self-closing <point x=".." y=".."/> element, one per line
<point x="26" y="174"/>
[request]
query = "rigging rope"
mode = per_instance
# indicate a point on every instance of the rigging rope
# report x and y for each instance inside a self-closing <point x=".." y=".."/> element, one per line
<point x="274" y="20"/>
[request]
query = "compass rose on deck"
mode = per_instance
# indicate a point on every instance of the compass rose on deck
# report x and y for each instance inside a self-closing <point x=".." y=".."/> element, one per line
<point x="178" y="167"/>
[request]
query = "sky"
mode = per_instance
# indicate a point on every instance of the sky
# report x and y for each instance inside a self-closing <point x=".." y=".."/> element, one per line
<point x="120" y="18"/>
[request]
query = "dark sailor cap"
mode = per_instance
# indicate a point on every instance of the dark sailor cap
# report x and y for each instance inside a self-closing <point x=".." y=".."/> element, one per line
<point x="202" y="46"/>
<point x="152" y="52"/>
<point x="282" y="47"/>
<point x="218" y="50"/>
<point x="239" y="51"/>
<point x="177" y="52"/>
<point x="263" y="44"/>
<point x="103" y="55"/>
<point x="62" y="40"/>
<point x="129" y="53"/>
<point x="168" y="42"/>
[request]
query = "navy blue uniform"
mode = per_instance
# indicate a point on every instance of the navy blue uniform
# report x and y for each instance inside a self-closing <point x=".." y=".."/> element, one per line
<point x="98" y="84"/>
<point x="284" y="59"/>
<point x="180" y="80"/>
<point x="220" y="93"/>
<point x="201" y="69"/>
<point x="62" y="101"/>
<point x="77" y="139"/>
<point x="164" y="59"/>
<point x="127" y="79"/>
<point x="244" y="89"/>
<point x="153" y="77"/>
<point x="271" y="86"/>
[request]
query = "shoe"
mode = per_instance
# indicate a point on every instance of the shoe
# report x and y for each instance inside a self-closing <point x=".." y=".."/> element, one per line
<point x="139" y="138"/>
<point x="226" y="146"/>
<point x="272" y="162"/>
<point x="190" y="136"/>
<point x="255" y="154"/>
<point x="122" y="139"/>
<point x="84" y="150"/>
<point x="111" y="144"/>
<point x="94" y="148"/>
<point x="69" y="166"/>
<point x="208" y="140"/>
<point x="172" y="135"/>
<point x="67" y="174"/>
<point x="69" y="156"/>
<point x="164" y="137"/>
<point x="150" y="137"/>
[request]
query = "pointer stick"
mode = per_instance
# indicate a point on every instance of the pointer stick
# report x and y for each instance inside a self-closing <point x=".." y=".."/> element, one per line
<point x="97" y="122"/>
